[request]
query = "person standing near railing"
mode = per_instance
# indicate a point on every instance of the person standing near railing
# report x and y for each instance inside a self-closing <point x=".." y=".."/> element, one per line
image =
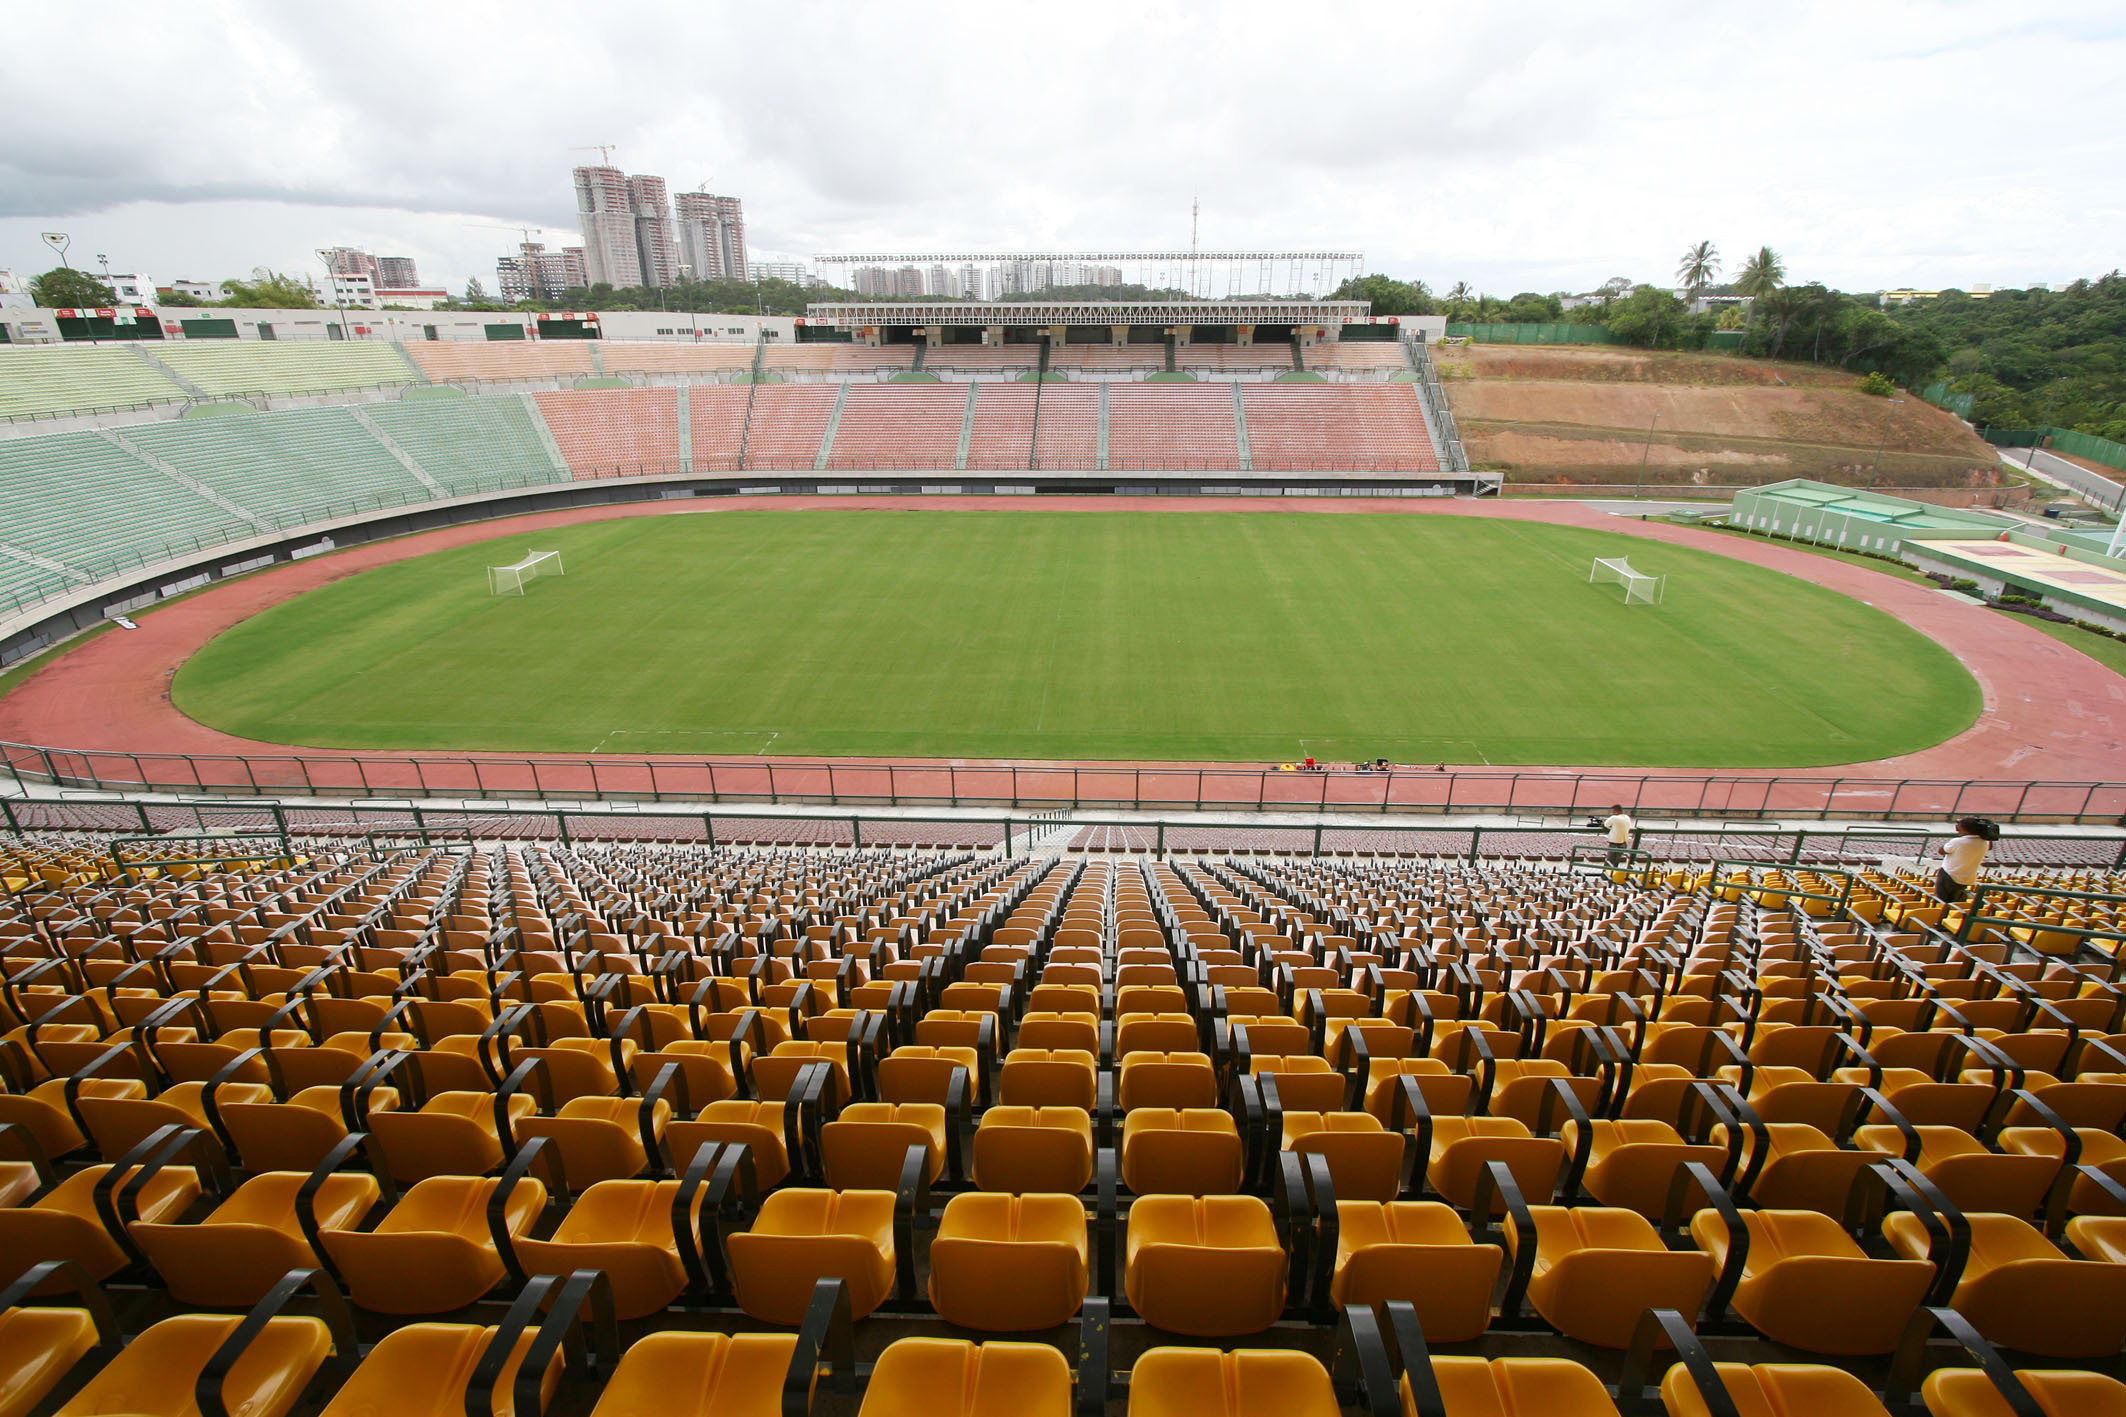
<point x="1617" y="826"/>
<point x="1961" y="857"/>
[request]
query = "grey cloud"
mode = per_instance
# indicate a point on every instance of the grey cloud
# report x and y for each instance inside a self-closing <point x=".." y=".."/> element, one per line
<point x="1449" y="140"/>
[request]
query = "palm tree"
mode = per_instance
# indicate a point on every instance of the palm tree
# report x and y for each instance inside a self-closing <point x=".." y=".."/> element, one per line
<point x="1761" y="274"/>
<point x="1698" y="267"/>
<point x="1459" y="298"/>
<point x="1780" y="306"/>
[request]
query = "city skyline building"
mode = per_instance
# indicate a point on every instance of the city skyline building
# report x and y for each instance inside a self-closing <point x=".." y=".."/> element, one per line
<point x="606" y="215"/>
<point x="392" y="272"/>
<point x="536" y="273"/>
<point x="712" y="236"/>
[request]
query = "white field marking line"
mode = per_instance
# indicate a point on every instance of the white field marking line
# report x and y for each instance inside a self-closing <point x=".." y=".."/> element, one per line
<point x="769" y="734"/>
<point x="1392" y="742"/>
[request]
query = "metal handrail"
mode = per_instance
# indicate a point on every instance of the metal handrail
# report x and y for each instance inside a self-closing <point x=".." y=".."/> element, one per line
<point x="1396" y="792"/>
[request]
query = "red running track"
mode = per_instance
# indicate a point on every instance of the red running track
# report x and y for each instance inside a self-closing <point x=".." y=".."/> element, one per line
<point x="2051" y="714"/>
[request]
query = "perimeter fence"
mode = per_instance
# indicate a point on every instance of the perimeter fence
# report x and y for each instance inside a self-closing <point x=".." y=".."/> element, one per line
<point x="1154" y="787"/>
<point x="413" y="824"/>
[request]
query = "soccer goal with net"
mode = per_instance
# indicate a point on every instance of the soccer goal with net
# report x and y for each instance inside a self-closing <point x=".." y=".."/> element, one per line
<point x="1639" y="588"/>
<point x="511" y="579"/>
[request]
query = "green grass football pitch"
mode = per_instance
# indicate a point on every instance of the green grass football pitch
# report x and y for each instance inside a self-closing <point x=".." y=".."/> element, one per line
<point x="1165" y="635"/>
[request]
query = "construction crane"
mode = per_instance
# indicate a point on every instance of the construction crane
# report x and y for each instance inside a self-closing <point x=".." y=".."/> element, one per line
<point x="604" y="151"/>
<point x="524" y="231"/>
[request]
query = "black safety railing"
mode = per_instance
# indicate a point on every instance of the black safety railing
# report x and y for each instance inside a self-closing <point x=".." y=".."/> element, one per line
<point x="172" y="832"/>
<point x="1536" y="792"/>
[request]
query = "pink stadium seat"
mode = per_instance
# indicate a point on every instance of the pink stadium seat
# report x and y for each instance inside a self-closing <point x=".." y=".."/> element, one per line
<point x="1358" y="354"/>
<point x="1171" y="425"/>
<point x="1003" y="425"/>
<point x="1364" y="426"/>
<point x="1070" y="425"/>
<point x="717" y="419"/>
<point x="791" y="358"/>
<point x="899" y="425"/>
<point x="615" y="432"/>
<point x="788" y="422"/>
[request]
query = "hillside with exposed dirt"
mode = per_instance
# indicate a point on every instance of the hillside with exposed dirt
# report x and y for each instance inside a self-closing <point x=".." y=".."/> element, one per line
<point x="1582" y="414"/>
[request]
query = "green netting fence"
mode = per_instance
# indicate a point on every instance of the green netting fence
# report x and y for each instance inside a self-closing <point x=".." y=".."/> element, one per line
<point x="1559" y="333"/>
<point x="2060" y="440"/>
<point x="1941" y="395"/>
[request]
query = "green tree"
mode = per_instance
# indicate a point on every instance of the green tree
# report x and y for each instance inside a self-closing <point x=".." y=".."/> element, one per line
<point x="1649" y="316"/>
<point x="177" y="297"/>
<point x="1761" y="274"/>
<point x="63" y="288"/>
<point x="1780" y="307"/>
<point x="1697" y="269"/>
<point x="1388" y="295"/>
<point x="270" y="290"/>
<point x="1528" y="308"/>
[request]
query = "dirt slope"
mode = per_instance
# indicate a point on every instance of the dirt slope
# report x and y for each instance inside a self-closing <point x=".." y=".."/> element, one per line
<point x="1583" y="414"/>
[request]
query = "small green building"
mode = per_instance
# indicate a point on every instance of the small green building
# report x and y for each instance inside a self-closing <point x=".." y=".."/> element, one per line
<point x="1854" y="519"/>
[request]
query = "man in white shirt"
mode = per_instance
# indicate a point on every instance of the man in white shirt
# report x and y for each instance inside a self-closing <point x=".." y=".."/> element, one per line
<point x="1617" y="825"/>
<point x="1961" y="857"/>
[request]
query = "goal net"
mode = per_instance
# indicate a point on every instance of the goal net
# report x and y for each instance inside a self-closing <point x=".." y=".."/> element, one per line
<point x="511" y="579"/>
<point x="1639" y="588"/>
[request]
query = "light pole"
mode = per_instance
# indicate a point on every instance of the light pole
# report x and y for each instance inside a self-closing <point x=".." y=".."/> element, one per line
<point x="1887" y="414"/>
<point x="1638" y="485"/>
<point x="324" y="254"/>
<point x="59" y="241"/>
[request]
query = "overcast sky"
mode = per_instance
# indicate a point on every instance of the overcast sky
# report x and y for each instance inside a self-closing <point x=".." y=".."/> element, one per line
<point x="1532" y="146"/>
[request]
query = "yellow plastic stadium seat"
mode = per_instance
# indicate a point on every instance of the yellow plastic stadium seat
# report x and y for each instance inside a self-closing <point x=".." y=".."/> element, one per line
<point x="1774" y="1390"/>
<point x="1009" y="1264"/>
<point x="1365" y="1159"/>
<point x="434" y="1251"/>
<point x="65" y="1223"/>
<point x="1202" y="1382"/>
<point x="802" y="1236"/>
<point x="1516" y="1387"/>
<point x="2021" y="1291"/>
<point x="1416" y="1251"/>
<point x="1048" y="1077"/>
<point x="1034" y="1149"/>
<point x="625" y="1229"/>
<point x="698" y="1375"/>
<point x="1806" y="1284"/>
<point x="155" y="1372"/>
<point x="1597" y="1267"/>
<point x="1967" y="1392"/>
<point x="422" y="1370"/>
<point x="1210" y="1267"/>
<point x="866" y="1144"/>
<point x="243" y="1247"/>
<point x="1190" y="1152"/>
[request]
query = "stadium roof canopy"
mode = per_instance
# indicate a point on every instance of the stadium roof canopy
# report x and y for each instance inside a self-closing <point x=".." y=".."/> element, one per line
<point x="868" y="313"/>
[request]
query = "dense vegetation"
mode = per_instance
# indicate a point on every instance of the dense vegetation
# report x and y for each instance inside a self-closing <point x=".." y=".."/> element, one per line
<point x="2030" y="357"/>
<point x="2036" y="357"/>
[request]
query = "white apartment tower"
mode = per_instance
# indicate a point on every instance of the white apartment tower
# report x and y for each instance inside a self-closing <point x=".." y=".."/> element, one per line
<point x="606" y="213"/>
<point x="712" y="236"/>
